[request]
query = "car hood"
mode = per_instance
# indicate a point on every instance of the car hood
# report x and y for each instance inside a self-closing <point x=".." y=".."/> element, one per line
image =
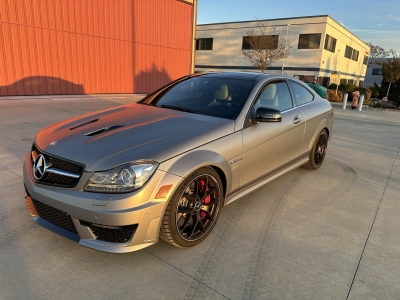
<point x="104" y="139"/>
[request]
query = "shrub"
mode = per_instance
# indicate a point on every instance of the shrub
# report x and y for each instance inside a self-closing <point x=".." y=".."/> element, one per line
<point x="367" y="102"/>
<point x="378" y="104"/>
<point x="368" y="94"/>
<point x="332" y="96"/>
<point x="374" y="91"/>
<point x="349" y="86"/>
<point x="333" y="87"/>
<point x="320" y="90"/>
<point x="341" y="94"/>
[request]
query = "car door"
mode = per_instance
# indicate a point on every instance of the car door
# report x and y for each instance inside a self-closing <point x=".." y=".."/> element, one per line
<point x="305" y="101"/>
<point x="267" y="147"/>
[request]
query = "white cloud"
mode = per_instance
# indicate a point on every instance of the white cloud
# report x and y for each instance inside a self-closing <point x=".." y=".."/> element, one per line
<point x="392" y="18"/>
<point x="387" y="39"/>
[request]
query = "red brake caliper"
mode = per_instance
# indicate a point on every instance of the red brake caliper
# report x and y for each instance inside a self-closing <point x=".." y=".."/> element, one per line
<point x="206" y="200"/>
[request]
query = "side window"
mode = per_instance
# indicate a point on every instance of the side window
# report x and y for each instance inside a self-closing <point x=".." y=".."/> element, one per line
<point x="302" y="95"/>
<point x="274" y="95"/>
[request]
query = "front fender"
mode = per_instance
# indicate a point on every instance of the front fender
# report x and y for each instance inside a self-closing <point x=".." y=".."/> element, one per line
<point x="189" y="162"/>
<point x="222" y="154"/>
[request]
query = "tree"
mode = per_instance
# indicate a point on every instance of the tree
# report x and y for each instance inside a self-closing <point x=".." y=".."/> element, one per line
<point x="390" y="69"/>
<point x="377" y="52"/>
<point x="263" y="48"/>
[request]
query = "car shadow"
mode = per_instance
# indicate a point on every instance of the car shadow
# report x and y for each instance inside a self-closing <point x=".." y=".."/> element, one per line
<point x="41" y="85"/>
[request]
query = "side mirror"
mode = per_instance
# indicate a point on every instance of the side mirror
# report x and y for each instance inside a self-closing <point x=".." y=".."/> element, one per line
<point x="264" y="114"/>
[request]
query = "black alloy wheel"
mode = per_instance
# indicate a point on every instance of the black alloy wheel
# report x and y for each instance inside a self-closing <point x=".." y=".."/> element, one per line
<point x="318" y="151"/>
<point x="193" y="210"/>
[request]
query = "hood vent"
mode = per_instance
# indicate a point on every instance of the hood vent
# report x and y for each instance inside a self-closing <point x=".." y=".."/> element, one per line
<point x="108" y="128"/>
<point x="83" y="124"/>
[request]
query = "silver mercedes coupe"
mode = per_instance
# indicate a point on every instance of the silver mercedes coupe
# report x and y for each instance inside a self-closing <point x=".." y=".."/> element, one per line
<point x="118" y="179"/>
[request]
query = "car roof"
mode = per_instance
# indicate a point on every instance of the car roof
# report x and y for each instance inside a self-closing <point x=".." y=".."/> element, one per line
<point x="234" y="75"/>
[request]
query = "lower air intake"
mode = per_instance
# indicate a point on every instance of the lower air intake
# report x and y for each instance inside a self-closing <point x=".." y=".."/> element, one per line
<point x="54" y="216"/>
<point x="118" y="234"/>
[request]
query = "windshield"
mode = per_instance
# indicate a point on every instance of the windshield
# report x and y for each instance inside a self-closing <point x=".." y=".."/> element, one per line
<point x="217" y="97"/>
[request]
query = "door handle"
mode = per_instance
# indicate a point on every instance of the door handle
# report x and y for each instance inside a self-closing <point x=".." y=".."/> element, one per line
<point x="297" y="119"/>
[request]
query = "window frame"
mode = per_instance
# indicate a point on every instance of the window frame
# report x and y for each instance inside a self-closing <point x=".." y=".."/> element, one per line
<point x="309" y="39"/>
<point x="260" y="91"/>
<point x="351" y="53"/>
<point x="348" y="52"/>
<point x="246" y="122"/>
<point x="330" y="41"/>
<point x="377" y="71"/>
<point x="306" y="87"/>
<point x="357" y="54"/>
<point x="206" y="43"/>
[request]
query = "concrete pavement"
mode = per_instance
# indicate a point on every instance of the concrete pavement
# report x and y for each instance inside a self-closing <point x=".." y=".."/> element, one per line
<point x="326" y="234"/>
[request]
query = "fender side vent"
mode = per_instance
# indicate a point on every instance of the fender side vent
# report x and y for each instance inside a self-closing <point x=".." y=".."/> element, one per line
<point x="83" y="124"/>
<point x="108" y="128"/>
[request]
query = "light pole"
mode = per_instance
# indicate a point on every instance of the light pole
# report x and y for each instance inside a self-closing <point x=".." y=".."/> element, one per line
<point x="283" y="62"/>
<point x="338" y="81"/>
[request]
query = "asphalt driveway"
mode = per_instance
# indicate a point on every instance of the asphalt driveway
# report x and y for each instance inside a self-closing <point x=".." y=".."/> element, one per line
<point x="326" y="234"/>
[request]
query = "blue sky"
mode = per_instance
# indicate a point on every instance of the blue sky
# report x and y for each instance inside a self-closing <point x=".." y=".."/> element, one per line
<point x="377" y="22"/>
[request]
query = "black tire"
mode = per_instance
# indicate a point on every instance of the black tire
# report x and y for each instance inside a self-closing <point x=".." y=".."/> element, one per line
<point x="318" y="151"/>
<point x="193" y="209"/>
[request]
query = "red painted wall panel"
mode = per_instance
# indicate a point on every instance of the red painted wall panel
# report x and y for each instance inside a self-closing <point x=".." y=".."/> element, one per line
<point x="92" y="46"/>
<point x="65" y="47"/>
<point x="162" y="33"/>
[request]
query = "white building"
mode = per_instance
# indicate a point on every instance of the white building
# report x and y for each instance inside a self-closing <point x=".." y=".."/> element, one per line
<point x="374" y="72"/>
<point x="320" y="47"/>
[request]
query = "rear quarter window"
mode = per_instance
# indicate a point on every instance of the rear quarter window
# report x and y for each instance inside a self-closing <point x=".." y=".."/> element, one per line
<point x="301" y="94"/>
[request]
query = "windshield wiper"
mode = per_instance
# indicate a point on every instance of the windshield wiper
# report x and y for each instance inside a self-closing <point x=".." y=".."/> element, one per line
<point x="182" y="109"/>
<point x="171" y="107"/>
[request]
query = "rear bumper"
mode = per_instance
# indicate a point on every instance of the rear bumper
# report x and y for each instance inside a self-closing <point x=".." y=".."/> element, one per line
<point x="108" y="222"/>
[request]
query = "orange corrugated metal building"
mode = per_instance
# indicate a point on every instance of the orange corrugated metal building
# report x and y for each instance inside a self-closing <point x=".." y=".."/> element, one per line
<point x="93" y="46"/>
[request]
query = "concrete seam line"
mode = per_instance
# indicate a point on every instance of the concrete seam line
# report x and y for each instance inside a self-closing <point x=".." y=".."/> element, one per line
<point x="372" y="225"/>
<point x="186" y="274"/>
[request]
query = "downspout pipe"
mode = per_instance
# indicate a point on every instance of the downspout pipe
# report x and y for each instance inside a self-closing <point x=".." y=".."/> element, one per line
<point x="194" y="23"/>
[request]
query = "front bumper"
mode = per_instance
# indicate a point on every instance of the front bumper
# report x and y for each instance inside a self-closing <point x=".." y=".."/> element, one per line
<point x="108" y="222"/>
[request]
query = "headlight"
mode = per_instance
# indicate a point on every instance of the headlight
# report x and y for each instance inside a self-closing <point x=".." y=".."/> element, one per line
<point x="123" y="178"/>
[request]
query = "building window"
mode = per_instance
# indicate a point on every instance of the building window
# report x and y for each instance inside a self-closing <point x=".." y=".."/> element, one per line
<point x="204" y="44"/>
<point x="348" y="52"/>
<point x="376" y="71"/>
<point x="264" y="42"/>
<point x="309" y="41"/>
<point x="351" y="53"/>
<point x="330" y="43"/>
<point x="343" y="81"/>
<point x="365" y="61"/>
<point x="355" y="55"/>
<point x="361" y="83"/>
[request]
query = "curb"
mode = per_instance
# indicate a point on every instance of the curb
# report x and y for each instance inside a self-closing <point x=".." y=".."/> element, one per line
<point x="366" y="107"/>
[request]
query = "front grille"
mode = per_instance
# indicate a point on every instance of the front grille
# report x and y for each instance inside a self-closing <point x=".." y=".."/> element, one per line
<point x="60" y="180"/>
<point x="65" y="165"/>
<point x="54" y="216"/>
<point x="60" y="164"/>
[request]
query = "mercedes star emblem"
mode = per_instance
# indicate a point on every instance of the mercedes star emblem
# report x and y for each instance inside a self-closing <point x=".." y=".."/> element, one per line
<point x="40" y="166"/>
